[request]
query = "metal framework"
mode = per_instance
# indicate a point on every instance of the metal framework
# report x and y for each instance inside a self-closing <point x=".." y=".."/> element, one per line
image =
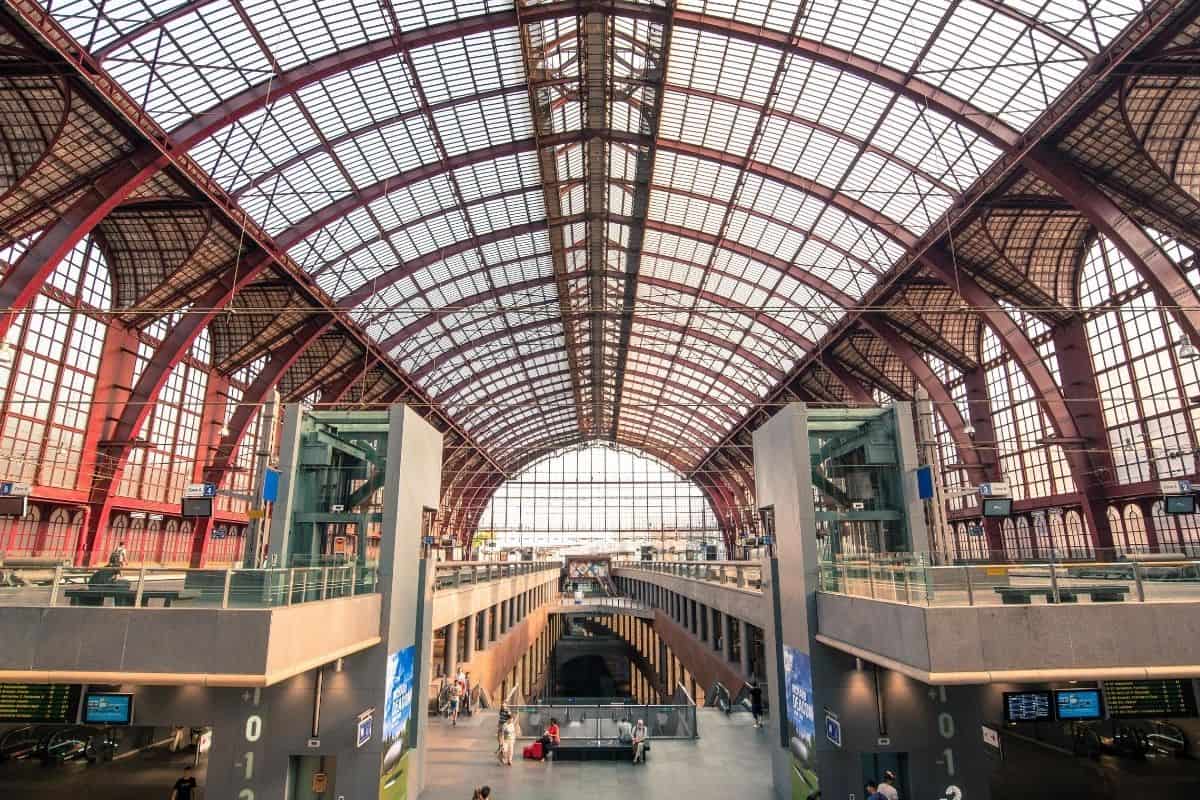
<point x="649" y="223"/>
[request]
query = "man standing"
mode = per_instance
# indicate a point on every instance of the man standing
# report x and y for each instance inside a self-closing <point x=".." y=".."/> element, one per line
<point x="185" y="787"/>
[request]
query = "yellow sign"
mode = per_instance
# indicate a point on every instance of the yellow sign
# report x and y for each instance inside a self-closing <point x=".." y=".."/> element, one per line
<point x="256" y="513"/>
<point x="320" y="782"/>
<point x="996" y="571"/>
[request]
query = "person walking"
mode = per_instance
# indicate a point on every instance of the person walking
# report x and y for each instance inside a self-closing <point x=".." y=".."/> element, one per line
<point x="508" y="740"/>
<point x="504" y="716"/>
<point x="482" y="793"/>
<point x="640" y="741"/>
<point x="185" y="787"/>
<point x="455" y="700"/>
<point x="756" y="705"/>
<point x="887" y="786"/>
<point x="118" y="557"/>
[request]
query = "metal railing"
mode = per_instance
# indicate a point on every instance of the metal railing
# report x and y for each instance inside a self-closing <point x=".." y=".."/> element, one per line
<point x="1154" y="580"/>
<point x="453" y="574"/>
<point x="594" y="722"/>
<point x="171" y="587"/>
<point x="605" y="602"/>
<point x="736" y="574"/>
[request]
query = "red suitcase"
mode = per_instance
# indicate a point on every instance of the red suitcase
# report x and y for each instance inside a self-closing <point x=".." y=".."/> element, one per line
<point x="532" y="751"/>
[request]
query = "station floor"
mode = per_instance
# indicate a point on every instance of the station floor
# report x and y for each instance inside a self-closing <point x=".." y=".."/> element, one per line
<point x="729" y="760"/>
<point x="146" y="775"/>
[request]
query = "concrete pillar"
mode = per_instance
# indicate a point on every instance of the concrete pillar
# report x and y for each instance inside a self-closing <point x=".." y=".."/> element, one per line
<point x="745" y="640"/>
<point x="469" y="635"/>
<point x="452" y="647"/>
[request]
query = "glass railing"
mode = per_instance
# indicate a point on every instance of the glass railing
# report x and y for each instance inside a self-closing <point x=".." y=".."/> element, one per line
<point x="453" y="574"/>
<point x="735" y="574"/>
<point x="170" y="587"/>
<point x="594" y="722"/>
<point x="1025" y="583"/>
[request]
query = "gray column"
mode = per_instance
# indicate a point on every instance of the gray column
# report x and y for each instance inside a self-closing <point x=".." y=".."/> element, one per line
<point x="452" y="647"/>
<point x="469" y="634"/>
<point x="745" y="641"/>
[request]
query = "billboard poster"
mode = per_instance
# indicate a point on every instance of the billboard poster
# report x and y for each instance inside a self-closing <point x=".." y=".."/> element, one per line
<point x="397" y="732"/>
<point x="797" y="673"/>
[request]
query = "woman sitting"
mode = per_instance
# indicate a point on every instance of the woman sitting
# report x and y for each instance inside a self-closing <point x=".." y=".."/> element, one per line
<point x="550" y="739"/>
<point x="641" y="741"/>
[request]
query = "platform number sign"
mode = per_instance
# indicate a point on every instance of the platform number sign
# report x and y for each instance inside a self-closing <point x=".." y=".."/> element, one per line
<point x="252" y="732"/>
<point x="833" y="729"/>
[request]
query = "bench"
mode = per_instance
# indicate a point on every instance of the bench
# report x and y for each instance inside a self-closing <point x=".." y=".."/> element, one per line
<point x="595" y="750"/>
<point x="1099" y="593"/>
<point x="96" y="595"/>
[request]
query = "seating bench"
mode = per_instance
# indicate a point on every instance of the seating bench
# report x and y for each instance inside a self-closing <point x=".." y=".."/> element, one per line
<point x="595" y="750"/>
<point x="96" y="595"/>
<point x="1100" y="593"/>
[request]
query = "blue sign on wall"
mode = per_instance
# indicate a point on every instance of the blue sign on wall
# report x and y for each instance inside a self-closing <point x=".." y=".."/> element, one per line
<point x="833" y="729"/>
<point x="270" y="485"/>
<point x="365" y="724"/>
<point x="398" y="707"/>
<point x="925" y="482"/>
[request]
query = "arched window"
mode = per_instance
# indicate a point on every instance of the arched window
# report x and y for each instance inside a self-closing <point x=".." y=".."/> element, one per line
<point x="600" y="497"/>
<point x="22" y="533"/>
<point x="47" y="391"/>
<point x="1041" y="534"/>
<point x="1031" y="468"/>
<point x="1133" y="539"/>
<point x="1079" y="543"/>
<point x="1143" y="382"/>
<point x="241" y="472"/>
<point x="161" y="468"/>
<point x="1023" y="535"/>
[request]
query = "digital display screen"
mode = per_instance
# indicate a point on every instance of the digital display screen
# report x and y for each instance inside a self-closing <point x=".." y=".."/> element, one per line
<point x="1179" y="504"/>
<point x="997" y="506"/>
<point x="1170" y="697"/>
<point x="1027" y="707"/>
<point x="196" y="507"/>
<point x="1078" y="704"/>
<point x="39" y="702"/>
<point x="107" y="708"/>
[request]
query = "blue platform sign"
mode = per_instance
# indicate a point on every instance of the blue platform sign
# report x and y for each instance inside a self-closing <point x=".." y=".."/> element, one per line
<point x="833" y="729"/>
<point x="925" y="482"/>
<point x="365" y="724"/>
<point x="270" y="485"/>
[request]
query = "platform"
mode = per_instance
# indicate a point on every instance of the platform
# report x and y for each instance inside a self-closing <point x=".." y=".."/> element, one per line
<point x="729" y="760"/>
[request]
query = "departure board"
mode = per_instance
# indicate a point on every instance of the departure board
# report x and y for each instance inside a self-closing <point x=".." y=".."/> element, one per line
<point x="1158" y="698"/>
<point x="1027" y="706"/>
<point x="38" y="702"/>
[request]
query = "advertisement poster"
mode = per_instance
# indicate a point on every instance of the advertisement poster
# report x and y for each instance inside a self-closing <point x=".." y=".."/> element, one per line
<point x="397" y="732"/>
<point x="797" y="675"/>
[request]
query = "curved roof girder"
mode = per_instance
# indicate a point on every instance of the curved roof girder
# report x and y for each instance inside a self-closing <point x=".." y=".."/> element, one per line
<point x="711" y="374"/>
<point x="768" y="368"/>
<point x="291" y="80"/>
<point x="471" y="416"/>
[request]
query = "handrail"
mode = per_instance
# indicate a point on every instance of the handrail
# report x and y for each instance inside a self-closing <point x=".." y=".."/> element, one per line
<point x="453" y="574"/>
<point x="1023" y="583"/>
<point x="170" y="587"/>
<point x="746" y="575"/>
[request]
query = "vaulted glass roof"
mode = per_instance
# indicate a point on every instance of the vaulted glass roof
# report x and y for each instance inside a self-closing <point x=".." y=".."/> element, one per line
<point x="576" y="220"/>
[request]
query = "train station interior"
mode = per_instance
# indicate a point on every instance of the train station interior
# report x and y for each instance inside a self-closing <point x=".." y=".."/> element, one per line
<point x="769" y="399"/>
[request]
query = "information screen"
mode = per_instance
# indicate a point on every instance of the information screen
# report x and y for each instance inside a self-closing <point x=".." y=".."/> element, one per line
<point x="107" y="708"/>
<point x="38" y="702"/>
<point x="1078" y="704"/>
<point x="1027" y="706"/>
<point x="1170" y="697"/>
